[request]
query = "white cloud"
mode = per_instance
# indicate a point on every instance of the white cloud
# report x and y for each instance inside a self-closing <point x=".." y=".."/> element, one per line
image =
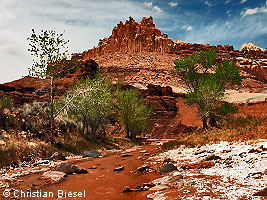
<point x="157" y="9"/>
<point x="187" y="28"/>
<point x="227" y="1"/>
<point x="228" y="12"/>
<point x="83" y="28"/>
<point x="173" y="4"/>
<point x="208" y="3"/>
<point x="148" y="4"/>
<point x="12" y="44"/>
<point x="219" y="31"/>
<point x="243" y="1"/>
<point x="227" y="24"/>
<point x="251" y="11"/>
<point x="5" y="14"/>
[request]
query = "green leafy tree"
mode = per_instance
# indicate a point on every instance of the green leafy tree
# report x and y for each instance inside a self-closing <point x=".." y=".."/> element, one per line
<point x="90" y="102"/>
<point x="49" y="50"/>
<point x="206" y="82"/>
<point x="134" y="113"/>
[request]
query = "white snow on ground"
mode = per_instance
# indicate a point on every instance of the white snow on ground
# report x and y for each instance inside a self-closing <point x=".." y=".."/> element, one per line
<point x="241" y="170"/>
<point x="233" y="96"/>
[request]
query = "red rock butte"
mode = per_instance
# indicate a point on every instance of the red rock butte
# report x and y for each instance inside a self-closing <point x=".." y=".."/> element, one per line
<point x="139" y="52"/>
<point x="133" y="37"/>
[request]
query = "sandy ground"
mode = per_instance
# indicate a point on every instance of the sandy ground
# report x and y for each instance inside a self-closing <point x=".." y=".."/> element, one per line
<point x="100" y="183"/>
<point x="237" y="173"/>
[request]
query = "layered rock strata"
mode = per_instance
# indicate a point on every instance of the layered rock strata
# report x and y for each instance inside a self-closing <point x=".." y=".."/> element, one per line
<point x="29" y="89"/>
<point x="139" y="52"/>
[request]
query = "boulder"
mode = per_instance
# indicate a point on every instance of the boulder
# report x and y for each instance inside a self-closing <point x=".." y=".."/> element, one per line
<point x="167" y="168"/>
<point x="158" y="188"/>
<point x="145" y="186"/>
<point x="42" y="162"/>
<point x="92" y="153"/>
<point x="262" y="193"/>
<point x="118" y="169"/>
<point x="68" y="168"/>
<point x="175" y="178"/>
<point x="55" y="176"/>
<point x="93" y="167"/>
<point x="143" y="168"/>
<point x="126" y="155"/>
<point x="212" y="157"/>
<point x="58" y="156"/>
<point x="127" y="189"/>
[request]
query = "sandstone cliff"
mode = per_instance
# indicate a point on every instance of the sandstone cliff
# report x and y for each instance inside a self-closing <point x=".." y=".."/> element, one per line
<point x="251" y="46"/>
<point x="133" y="37"/>
<point x="139" y="52"/>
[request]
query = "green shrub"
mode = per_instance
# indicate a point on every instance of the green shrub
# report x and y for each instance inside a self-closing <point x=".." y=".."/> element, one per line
<point x="91" y="103"/>
<point x="134" y="113"/>
<point x="6" y="102"/>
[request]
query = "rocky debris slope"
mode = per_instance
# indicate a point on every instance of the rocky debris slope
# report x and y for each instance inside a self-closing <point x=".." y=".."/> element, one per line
<point x="216" y="171"/>
<point x="167" y="119"/>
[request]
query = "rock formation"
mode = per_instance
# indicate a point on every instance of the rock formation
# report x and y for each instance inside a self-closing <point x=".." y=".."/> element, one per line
<point x="29" y="89"/>
<point x="139" y="52"/>
<point x="133" y="37"/>
<point x="251" y="46"/>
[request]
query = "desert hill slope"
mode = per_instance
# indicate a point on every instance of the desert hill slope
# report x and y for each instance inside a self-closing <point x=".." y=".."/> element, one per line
<point x="142" y="56"/>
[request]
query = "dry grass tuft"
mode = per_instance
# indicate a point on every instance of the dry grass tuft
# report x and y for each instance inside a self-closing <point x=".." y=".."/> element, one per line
<point x="15" y="149"/>
<point x="233" y="129"/>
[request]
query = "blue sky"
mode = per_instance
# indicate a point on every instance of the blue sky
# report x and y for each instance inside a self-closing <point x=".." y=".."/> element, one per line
<point x="86" y="21"/>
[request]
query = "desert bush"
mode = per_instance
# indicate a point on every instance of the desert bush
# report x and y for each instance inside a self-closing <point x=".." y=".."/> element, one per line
<point x="16" y="153"/>
<point x="65" y="124"/>
<point x="6" y="102"/>
<point x="134" y="113"/>
<point x="176" y="144"/>
<point x="35" y="108"/>
<point x="5" y="105"/>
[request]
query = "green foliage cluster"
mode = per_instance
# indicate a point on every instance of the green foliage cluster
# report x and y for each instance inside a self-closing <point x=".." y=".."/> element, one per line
<point x="6" y="102"/>
<point x="91" y="102"/>
<point x="134" y="114"/>
<point x="206" y="83"/>
<point x="48" y="48"/>
<point x="94" y="102"/>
